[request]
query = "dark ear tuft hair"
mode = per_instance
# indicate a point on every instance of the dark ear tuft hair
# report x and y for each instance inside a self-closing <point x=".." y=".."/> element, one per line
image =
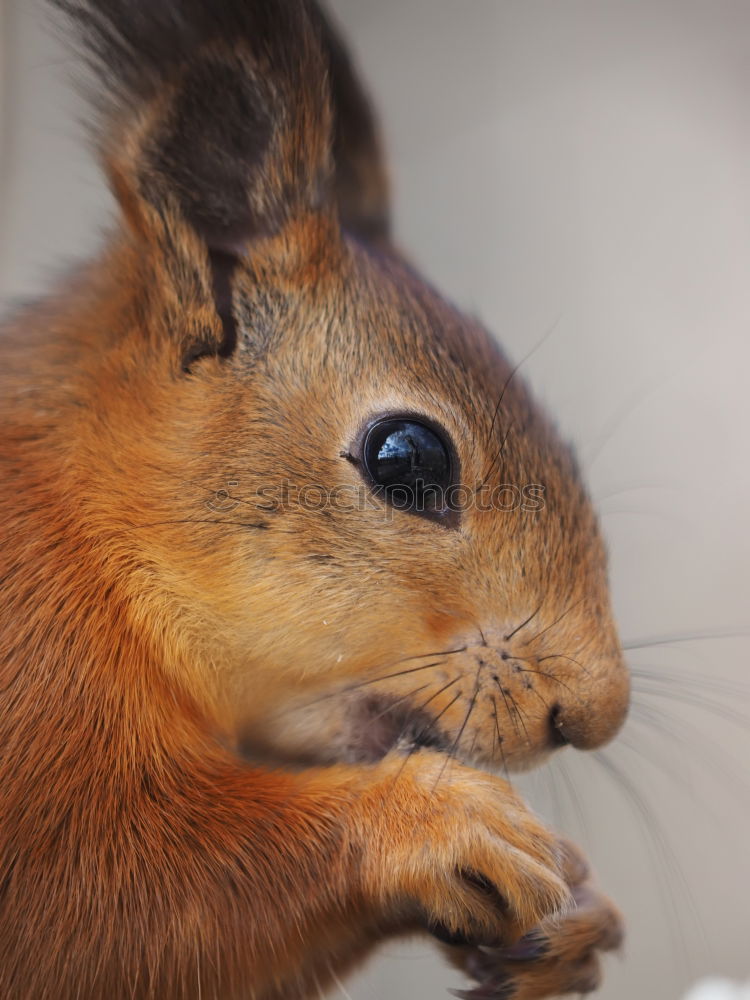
<point x="220" y="108"/>
<point x="362" y="186"/>
<point x="220" y="123"/>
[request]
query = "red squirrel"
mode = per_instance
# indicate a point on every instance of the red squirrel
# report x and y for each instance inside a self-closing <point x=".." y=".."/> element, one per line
<point x="271" y="639"/>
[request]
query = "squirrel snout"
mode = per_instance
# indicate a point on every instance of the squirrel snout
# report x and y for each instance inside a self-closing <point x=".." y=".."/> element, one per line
<point x="593" y="720"/>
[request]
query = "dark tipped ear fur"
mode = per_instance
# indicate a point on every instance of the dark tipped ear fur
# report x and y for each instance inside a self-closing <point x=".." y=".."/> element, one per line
<point x="227" y="120"/>
<point x="219" y="108"/>
<point x="220" y="77"/>
<point x="362" y="188"/>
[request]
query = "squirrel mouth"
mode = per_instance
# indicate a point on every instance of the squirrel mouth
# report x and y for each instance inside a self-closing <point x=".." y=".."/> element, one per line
<point x="380" y="725"/>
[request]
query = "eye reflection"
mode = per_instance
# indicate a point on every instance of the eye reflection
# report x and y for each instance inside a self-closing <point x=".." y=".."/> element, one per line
<point x="410" y="462"/>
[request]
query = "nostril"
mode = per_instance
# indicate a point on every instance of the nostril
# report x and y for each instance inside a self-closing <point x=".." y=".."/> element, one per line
<point x="557" y="727"/>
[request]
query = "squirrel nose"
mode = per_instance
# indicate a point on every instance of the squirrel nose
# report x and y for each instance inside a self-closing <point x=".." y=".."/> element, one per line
<point x="559" y="736"/>
<point x="594" y="720"/>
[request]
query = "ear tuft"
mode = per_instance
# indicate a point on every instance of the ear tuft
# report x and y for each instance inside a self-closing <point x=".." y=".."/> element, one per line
<point x="220" y="108"/>
<point x="222" y="123"/>
<point x="362" y="184"/>
<point x="207" y="159"/>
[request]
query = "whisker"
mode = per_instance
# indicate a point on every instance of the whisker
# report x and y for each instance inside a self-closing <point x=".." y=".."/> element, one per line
<point x="534" y="691"/>
<point x="554" y="796"/>
<point x="425" y="732"/>
<point x="442" y="712"/>
<point x="574" y="796"/>
<point x="547" y="334"/>
<point x="523" y="624"/>
<point x="259" y="526"/>
<point x="454" y="748"/>
<point x="622" y="412"/>
<point x="499" y="738"/>
<point x="429" y="729"/>
<point x="474" y="697"/>
<point x="555" y="622"/>
<point x="664" y="856"/>
<point x="633" y="488"/>
<point x="508" y="711"/>
<point x="669" y="517"/>
<point x="496" y="460"/>
<point x="649" y="718"/>
<point x="672" y="640"/>
<point x="437" y="694"/>
<point x="698" y="701"/>
<point x="399" y="673"/>
<point x="521" y="719"/>
<point x="544" y="673"/>
<point x="705" y="682"/>
<point x="374" y="680"/>
<point x="723" y="763"/>
<point x="564" y="656"/>
<point x="398" y="701"/>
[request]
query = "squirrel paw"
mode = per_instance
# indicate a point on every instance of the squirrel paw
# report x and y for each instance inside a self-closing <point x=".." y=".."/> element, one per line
<point x="463" y="849"/>
<point x="559" y="957"/>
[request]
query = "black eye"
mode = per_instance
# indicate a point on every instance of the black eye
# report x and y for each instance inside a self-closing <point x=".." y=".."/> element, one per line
<point x="411" y="463"/>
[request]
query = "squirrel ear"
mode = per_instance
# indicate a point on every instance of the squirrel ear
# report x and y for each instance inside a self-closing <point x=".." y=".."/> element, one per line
<point x="217" y="113"/>
<point x="361" y="178"/>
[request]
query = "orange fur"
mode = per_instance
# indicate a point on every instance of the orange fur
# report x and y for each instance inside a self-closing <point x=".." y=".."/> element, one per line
<point x="191" y="677"/>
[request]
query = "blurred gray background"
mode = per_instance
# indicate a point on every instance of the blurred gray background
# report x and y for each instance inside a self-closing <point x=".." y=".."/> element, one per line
<point x="583" y="164"/>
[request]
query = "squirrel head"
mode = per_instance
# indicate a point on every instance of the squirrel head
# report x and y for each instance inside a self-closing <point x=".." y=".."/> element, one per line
<point x="337" y="512"/>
